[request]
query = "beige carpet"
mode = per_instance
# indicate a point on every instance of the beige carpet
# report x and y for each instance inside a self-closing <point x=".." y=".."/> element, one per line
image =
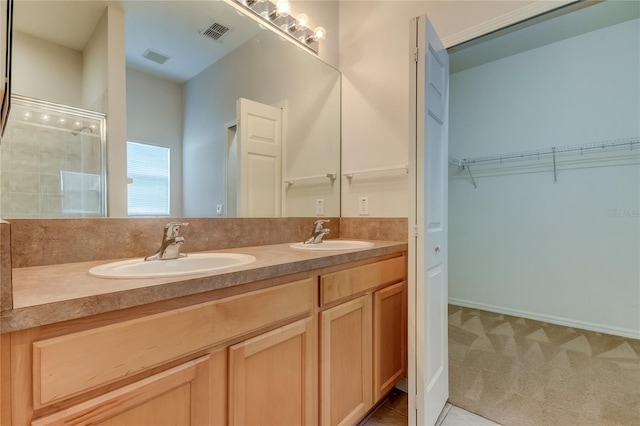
<point x="516" y="371"/>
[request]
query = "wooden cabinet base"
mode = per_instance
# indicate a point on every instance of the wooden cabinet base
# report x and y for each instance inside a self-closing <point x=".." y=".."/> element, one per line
<point x="322" y="348"/>
<point x="178" y="396"/>
<point x="345" y="362"/>
<point x="389" y="337"/>
<point x="271" y="377"/>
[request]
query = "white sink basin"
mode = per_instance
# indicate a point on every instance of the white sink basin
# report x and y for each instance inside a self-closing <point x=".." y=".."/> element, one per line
<point x="196" y="263"/>
<point x="333" y="245"/>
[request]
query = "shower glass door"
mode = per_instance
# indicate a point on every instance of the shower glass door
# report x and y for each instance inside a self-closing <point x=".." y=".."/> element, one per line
<point x="52" y="161"/>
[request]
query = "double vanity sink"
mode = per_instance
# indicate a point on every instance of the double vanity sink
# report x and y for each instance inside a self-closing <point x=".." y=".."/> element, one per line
<point x="197" y="263"/>
<point x="201" y="263"/>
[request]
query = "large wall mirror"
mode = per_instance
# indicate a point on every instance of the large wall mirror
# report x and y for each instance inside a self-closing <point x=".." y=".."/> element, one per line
<point x="224" y="118"/>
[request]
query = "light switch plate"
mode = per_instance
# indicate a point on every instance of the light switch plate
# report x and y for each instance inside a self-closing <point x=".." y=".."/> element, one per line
<point x="219" y="209"/>
<point x="320" y="206"/>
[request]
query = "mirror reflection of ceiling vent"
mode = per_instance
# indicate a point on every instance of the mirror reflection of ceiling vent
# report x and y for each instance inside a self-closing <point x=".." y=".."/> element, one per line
<point x="155" y="56"/>
<point x="215" y="31"/>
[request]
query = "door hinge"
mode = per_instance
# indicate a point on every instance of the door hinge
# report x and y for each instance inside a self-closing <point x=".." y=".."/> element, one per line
<point x="415" y="55"/>
<point x="414" y="230"/>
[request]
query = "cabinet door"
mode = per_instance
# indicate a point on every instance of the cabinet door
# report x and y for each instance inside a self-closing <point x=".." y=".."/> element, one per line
<point x="389" y="337"/>
<point x="271" y="377"/>
<point x="178" y="396"/>
<point x="346" y="386"/>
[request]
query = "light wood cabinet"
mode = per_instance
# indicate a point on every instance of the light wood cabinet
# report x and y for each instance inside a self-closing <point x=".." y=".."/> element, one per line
<point x="362" y="338"/>
<point x="178" y="396"/>
<point x="345" y="362"/>
<point x="389" y="337"/>
<point x="271" y="377"/>
<point x="320" y="347"/>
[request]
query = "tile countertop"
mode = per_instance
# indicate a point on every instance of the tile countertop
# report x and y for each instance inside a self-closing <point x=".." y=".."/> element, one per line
<point x="54" y="293"/>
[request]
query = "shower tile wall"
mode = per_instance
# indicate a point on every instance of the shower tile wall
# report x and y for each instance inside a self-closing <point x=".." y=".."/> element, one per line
<point x="35" y="159"/>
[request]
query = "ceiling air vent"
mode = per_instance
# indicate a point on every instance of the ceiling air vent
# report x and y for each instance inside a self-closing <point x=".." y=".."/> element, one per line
<point x="215" y="31"/>
<point x="155" y="56"/>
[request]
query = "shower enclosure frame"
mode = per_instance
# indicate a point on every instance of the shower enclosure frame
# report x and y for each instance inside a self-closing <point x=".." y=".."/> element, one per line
<point x="29" y="102"/>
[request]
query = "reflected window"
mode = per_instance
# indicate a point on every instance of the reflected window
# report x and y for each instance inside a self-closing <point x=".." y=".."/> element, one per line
<point x="148" y="172"/>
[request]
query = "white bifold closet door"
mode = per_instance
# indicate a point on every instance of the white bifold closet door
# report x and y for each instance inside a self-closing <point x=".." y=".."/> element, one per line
<point x="428" y="375"/>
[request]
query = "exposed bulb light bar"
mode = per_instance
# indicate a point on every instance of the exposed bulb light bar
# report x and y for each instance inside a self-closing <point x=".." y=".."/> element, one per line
<point x="283" y="8"/>
<point x="318" y="34"/>
<point x="301" y="23"/>
<point x="278" y="15"/>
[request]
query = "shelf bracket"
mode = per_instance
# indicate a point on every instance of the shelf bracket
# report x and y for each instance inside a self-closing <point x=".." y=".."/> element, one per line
<point x="555" y="171"/>
<point x="465" y="165"/>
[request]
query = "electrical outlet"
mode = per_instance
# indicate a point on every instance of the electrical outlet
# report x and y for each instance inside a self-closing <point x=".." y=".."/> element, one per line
<point x="219" y="209"/>
<point x="320" y="206"/>
<point x="363" y="206"/>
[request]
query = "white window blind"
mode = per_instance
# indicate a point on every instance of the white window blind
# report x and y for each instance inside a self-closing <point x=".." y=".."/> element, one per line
<point x="148" y="167"/>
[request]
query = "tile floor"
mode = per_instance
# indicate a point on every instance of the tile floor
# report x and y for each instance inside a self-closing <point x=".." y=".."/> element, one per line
<point x="393" y="412"/>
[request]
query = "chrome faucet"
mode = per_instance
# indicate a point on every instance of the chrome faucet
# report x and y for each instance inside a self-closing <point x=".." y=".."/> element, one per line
<point x="318" y="232"/>
<point x="171" y="242"/>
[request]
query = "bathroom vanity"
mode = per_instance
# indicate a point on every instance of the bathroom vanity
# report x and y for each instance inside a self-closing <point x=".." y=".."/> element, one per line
<point x="297" y="337"/>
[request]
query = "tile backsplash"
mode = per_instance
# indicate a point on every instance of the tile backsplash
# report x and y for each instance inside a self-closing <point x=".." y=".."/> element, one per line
<point x="6" y="293"/>
<point x="38" y="242"/>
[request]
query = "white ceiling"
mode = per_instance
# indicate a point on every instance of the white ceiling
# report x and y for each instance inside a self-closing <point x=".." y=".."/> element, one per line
<point x="169" y="27"/>
<point x="173" y="28"/>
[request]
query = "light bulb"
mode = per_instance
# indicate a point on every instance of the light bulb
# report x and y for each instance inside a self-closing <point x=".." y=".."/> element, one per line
<point x="27" y="115"/>
<point x="319" y="33"/>
<point x="44" y="118"/>
<point x="283" y="8"/>
<point x="302" y="21"/>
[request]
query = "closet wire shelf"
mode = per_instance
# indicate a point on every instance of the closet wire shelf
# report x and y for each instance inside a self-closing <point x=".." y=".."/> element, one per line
<point x="553" y="152"/>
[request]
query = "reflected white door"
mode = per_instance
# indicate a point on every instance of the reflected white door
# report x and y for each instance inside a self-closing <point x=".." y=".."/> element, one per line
<point x="260" y="159"/>
<point x="428" y="263"/>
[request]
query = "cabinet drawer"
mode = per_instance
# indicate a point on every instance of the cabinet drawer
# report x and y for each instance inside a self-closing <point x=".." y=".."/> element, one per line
<point x="68" y="365"/>
<point x="176" y="396"/>
<point x="344" y="284"/>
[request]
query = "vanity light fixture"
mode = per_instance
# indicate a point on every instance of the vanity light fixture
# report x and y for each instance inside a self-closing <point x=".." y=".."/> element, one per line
<point x="278" y="15"/>
<point x="283" y="8"/>
<point x="318" y="34"/>
<point x="299" y="24"/>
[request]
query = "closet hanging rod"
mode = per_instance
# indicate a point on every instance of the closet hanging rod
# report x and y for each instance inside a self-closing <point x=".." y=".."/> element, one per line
<point x="350" y="174"/>
<point x="453" y="161"/>
<point x="331" y="176"/>
<point x="618" y="144"/>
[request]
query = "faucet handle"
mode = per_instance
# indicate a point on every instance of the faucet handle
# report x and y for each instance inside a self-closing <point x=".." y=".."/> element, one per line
<point x="318" y="224"/>
<point x="171" y="229"/>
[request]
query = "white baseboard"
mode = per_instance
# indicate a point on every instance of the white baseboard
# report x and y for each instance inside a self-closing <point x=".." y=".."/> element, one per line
<point x="616" y="331"/>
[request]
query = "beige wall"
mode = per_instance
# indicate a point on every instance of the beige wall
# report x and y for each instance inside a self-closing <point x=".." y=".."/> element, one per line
<point x="116" y="115"/>
<point x="46" y="70"/>
<point x="95" y="68"/>
<point x="374" y="60"/>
